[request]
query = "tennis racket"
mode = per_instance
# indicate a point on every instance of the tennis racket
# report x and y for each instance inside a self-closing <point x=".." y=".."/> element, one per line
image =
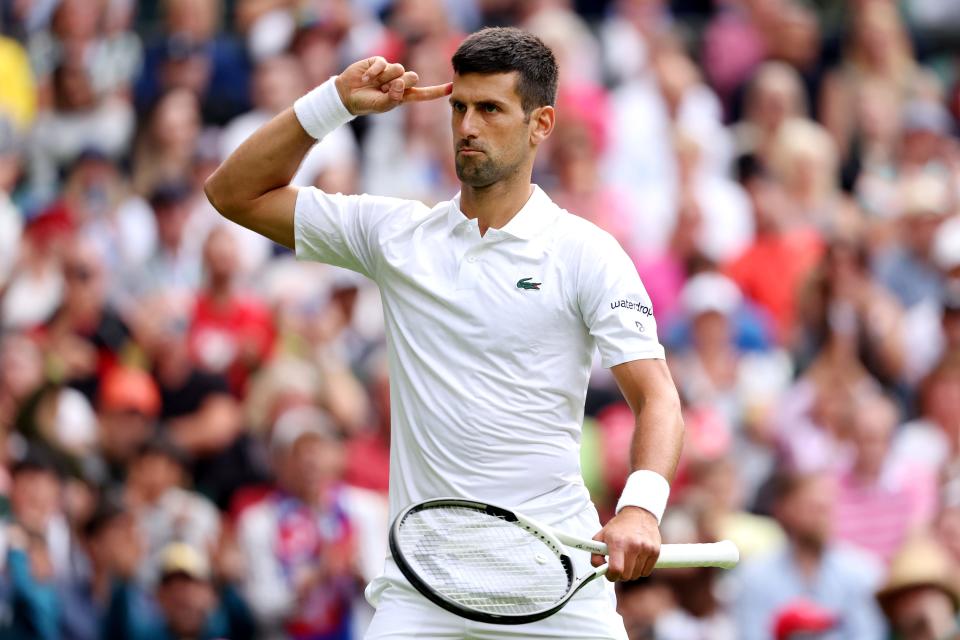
<point x="490" y="564"/>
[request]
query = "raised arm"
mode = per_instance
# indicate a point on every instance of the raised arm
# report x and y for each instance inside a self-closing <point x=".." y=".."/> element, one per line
<point x="252" y="186"/>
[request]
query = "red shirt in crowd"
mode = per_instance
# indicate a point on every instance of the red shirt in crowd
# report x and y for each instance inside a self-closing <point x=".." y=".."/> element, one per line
<point x="231" y="337"/>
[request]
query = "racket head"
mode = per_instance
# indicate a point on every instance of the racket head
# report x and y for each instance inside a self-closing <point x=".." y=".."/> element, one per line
<point x="482" y="562"/>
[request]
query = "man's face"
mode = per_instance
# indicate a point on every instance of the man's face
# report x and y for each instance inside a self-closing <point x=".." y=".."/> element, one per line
<point x="186" y="603"/>
<point x="807" y="514"/>
<point x="155" y="474"/>
<point x="492" y="136"/>
<point x="35" y="498"/>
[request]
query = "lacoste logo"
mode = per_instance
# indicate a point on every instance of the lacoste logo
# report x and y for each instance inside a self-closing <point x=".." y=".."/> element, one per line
<point x="526" y="284"/>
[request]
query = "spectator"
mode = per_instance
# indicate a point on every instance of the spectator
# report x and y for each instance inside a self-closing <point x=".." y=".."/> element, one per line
<point x="299" y="542"/>
<point x="907" y="268"/>
<point x="698" y="611"/>
<point x="933" y="439"/>
<point x="21" y="374"/>
<point x="880" y="503"/>
<point x="231" y="332"/>
<point x="808" y="565"/>
<point x="98" y="204"/>
<point x="112" y="547"/>
<point x="776" y="95"/>
<point x="166" y="141"/>
<point x="173" y="269"/>
<point x="843" y="308"/>
<point x="804" y="159"/>
<point x="35" y="287"/>
<point x="772" y="268"/>
<point x="645" y="110"/>
<point x="35" y="547"/>
<point x="34" y="604"/>
<point x="85" y="337"/>
<point x="79" y="120"/>
<point x="921" y="597"/>
<point x="194" y="55"/>
<point x="879" y="49"/>
<point x="190" y="607"/>
<point x="640" y="602"/>
<point x="166" y="511"/>
<point x="128" y="405"/>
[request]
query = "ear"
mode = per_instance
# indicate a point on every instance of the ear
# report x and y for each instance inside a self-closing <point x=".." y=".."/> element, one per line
<point x="542" y="120"/>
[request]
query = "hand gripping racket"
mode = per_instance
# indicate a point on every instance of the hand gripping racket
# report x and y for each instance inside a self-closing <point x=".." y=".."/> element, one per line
<point x="490" y="564"/>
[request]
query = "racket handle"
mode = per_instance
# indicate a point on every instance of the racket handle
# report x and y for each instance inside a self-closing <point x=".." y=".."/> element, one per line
<point x="723" y="554"/>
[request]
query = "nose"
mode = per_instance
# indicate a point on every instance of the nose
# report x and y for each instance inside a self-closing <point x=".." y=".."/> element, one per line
<point x="467" y="125"/>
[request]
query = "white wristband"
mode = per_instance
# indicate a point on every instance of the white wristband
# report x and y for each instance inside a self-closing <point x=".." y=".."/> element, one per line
<point x="646" y="489"/>
<point x="321" y="111"/>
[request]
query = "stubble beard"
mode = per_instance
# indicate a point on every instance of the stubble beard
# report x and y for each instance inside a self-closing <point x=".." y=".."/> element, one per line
<point x="478" y="172"/>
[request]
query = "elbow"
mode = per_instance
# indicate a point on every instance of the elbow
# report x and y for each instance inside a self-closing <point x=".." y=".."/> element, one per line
<point x="217" y="195"/>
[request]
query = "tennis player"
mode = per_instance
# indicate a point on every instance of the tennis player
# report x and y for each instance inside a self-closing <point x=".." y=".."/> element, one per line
<point x="494" y="303"/>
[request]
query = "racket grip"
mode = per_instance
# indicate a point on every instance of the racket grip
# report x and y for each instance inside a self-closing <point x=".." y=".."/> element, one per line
<point x="723" y="554"/>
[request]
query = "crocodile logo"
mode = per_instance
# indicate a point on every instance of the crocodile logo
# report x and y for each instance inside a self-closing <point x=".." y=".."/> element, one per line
<point x="526" y="284"/>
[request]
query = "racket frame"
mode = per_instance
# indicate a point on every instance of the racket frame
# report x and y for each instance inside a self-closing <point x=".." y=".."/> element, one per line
<point x="722" y="554"/>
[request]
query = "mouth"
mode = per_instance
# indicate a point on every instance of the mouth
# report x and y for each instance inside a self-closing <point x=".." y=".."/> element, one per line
<point x="470" y="152"/>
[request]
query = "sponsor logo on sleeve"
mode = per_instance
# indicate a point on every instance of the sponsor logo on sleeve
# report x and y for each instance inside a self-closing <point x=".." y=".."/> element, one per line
<point x="631" y="305"/>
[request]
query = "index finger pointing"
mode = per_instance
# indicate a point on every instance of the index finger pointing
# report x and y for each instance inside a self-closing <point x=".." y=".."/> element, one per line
<point x="419" y="94"/>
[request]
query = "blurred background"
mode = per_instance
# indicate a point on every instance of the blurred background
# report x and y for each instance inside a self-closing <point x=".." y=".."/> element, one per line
<point x="194" y="428"/>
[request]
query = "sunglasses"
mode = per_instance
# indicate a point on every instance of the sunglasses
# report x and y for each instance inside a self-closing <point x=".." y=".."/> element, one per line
<point x="79" y="272"/>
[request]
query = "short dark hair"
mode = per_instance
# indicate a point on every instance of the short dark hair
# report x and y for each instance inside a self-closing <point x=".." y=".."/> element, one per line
<point x="506" y="49"/>
<point x="38" y="459"/>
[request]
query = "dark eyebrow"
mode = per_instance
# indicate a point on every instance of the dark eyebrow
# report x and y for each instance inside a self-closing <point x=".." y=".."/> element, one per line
<point x="480" y="103"/>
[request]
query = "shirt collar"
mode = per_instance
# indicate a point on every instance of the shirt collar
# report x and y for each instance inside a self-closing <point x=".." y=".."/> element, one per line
<point x="533" y="216"/>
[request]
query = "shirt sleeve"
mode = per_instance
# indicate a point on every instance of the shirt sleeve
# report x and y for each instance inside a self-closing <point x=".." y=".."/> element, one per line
<point x="344" y="230"/>
<point x="614" y="304"/>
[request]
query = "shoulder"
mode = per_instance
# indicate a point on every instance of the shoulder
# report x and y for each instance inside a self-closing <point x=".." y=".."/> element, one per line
<point x="582" y="237"/>
<point x="396" y="210"/>
<point x="854" y="567"/>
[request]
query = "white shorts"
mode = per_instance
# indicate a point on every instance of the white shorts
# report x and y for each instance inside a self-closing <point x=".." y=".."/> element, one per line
<point x="402" y="613"/>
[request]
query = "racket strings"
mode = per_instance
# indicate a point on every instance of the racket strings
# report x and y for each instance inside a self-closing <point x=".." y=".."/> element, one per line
<point x="482" y="561"/>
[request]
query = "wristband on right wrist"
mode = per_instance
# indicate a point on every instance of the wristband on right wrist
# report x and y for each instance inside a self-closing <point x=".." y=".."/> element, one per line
<point x="321" y="110"/>
<point x="646" y="489"/>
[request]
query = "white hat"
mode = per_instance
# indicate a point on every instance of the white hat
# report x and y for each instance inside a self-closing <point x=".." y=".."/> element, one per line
<point x="924" y="193"/>
<point x="710" y="291"/>
<point x="298" y="422"/>
<point x="946" y="245"/>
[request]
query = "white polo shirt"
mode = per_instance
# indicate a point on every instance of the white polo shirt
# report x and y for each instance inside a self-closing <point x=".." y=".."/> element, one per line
<point x="490" y="339"/>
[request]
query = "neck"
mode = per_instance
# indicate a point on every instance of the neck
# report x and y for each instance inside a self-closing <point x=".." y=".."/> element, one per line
<point x="496" y="204"/>
<point x="807" y="556"/>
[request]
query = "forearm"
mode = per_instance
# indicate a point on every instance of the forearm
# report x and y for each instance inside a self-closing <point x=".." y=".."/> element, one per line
<point x="658" y="436"/>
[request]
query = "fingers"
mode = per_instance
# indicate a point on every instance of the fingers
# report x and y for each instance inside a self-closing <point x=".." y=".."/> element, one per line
<point x="419" y="94"/>
<point x="651" y="562"/>
<point x="630" y="557"/>
<point x="377" y="65"/>
<point x="391" y="72"/>
<point x="615" y="561"/>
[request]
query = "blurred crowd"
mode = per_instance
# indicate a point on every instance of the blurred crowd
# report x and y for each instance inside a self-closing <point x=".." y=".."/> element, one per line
<point x="194" y="427"/>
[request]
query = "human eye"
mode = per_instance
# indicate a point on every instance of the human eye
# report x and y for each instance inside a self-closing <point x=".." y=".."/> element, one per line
<point x="458" y="106"/>
<point x="489" y="107"/>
